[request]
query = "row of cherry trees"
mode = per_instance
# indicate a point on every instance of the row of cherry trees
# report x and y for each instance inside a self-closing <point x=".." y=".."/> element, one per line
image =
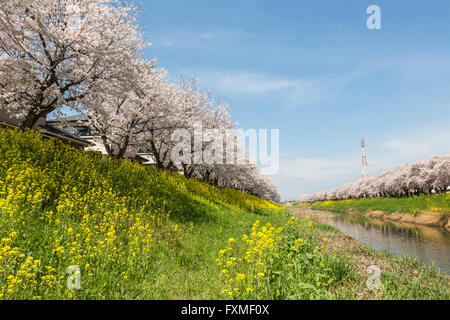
<point x="87" y="55"/>
<point x="422" y="177"/>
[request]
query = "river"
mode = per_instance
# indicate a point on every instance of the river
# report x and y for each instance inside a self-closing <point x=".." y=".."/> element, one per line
<point x="430" y="244"/>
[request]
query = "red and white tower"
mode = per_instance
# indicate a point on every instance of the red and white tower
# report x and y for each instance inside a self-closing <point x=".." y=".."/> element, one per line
<point x="364" y="170"/>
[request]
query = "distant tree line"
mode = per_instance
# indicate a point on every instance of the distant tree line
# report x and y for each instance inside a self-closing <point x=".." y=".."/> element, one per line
<point x="422" y="177"/>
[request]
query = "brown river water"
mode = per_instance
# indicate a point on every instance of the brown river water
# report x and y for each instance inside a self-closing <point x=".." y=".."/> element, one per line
<point x="430" y="244"/>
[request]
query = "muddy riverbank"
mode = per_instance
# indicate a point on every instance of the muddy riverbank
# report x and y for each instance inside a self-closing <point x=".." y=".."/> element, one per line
<point x="432" y="219"/>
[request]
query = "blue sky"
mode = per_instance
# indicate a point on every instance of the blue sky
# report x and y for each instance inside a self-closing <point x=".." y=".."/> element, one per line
<point x="313" y="70"/>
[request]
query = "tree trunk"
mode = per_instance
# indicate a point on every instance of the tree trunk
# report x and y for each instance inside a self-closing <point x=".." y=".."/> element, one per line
<point x="31" y="119"/>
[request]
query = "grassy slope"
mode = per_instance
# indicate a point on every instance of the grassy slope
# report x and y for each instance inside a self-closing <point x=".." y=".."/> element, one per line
<point x="414" y="205"/>
<point x="135" y="232"/>
<point x="188" y="270"/>
<point x="140" y="233"/>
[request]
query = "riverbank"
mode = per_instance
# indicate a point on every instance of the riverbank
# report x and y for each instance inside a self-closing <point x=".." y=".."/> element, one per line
<point x="401" y="278"/>
<point x="426" y="210"/>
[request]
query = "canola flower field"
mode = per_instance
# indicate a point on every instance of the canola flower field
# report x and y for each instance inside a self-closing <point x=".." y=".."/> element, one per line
<point x="115" y="220"/>
<point x="135" y="232"/>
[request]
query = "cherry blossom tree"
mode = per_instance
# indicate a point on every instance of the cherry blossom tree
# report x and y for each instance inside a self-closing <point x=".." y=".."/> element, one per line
<point x="120" y="112"/>
<point x="56" y="53"/>
<point x="175" y="108"/>
<point x="86" y="55"/>
<point x="422" y="177"/>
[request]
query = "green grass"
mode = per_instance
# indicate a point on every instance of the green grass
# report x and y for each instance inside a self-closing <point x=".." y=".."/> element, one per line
<point x="188" y="269"/>
<point x="413" y="205"/>
<point x="401" y="277"/>
<point x="142" y="233"/>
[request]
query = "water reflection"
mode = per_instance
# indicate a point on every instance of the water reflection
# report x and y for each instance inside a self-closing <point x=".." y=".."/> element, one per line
<point x="430" y="244"/>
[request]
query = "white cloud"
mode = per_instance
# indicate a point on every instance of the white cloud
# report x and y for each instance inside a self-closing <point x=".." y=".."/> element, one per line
<point x="410" y="149"/>
<point x="308" y="175"/>
<point x="421" y="142"/>
<point x="189" y="37"/>
<point x="246" y="82"/>
<point x="295" y="91"/>
<point x="210" y="35"/>
<point x="309" y="169"/>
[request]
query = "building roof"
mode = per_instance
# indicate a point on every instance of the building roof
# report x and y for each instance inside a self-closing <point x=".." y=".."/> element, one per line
<point x="8" y="125"/>
<point x="55" y="132"/>
<point x="79" y="117"/>
<point x="145" y="158"/>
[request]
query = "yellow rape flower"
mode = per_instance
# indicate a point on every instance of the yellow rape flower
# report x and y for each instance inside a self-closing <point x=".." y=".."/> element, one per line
<point x="240" y="277"/>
